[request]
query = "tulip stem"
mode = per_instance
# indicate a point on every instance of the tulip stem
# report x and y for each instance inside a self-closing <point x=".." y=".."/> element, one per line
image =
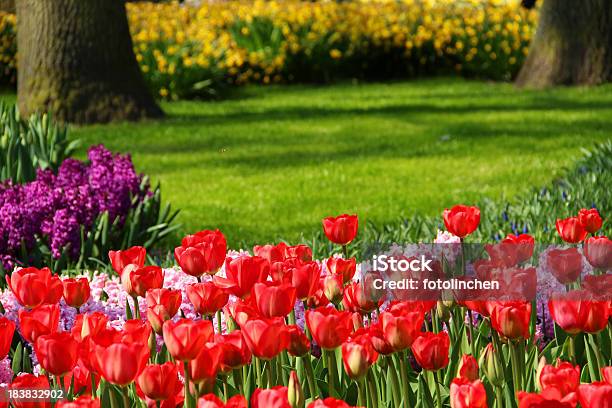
<point x="404" y="374"/>
<point x="331" y="372"/>
<point x="126" y="398"/>
<point x="136" y="307"/>
<point x="572" y="348"/>
<point x="373" y="389"/>
<point x="268" y="370"/>
<point x="394" y="382"/>
<point x="93" y="384"/>
<point x="187" y="379"/>
<point x="361" y="393"/>
<point x="219" y="322"/>
<point x="516" y="369"/>
<point x="471" y="332"/>
<point x="438" y="393"/>
<point x="499" y="398"/>
<point x="345" y="253"/>
<point x="310" y="376"/>
<point x="258" y="375"/>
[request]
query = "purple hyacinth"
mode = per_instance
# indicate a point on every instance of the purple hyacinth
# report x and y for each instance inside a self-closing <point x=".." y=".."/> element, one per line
<point x="55" y="207"/>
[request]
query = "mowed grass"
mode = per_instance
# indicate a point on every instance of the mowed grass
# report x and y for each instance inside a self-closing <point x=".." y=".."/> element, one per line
<point x="270" y="162"/>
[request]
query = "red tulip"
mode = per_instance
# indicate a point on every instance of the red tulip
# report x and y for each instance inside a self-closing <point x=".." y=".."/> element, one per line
<point x="333" y="287"/>
<point x="431" y="350"/>
<point x="574" y="312"/>
<point x="504" y="254"/>
<point x="317" y="298"/>
<point x="274" y="300"/>
<point x="401" y="329"/>
<point x="136" y="331"/>
<point x="524" y="243"/>
<point x="461" y="220"/>
<point x="170" y="299"/>
<point x="76" y="291"/>
<point x="137" y="281"/>
<point x="33" y="287"/>
<point x="342" y="229"/>
<point x="305" y="279"/>
<point x="30" y="382"/>
<point x="549" y="398"/>
<point x="235" y="353"/>
<point x="266" y="338"/>
<point x="212" y="401"/>
<point x="344" y="267"/>
<point x="241" y="311"/>
<point x="571" y="230"/>
<point x="329" y="327"/>
<point x="606" y="373"/>
<point x="590" y="219"/>
<point x="82" y="379"/>
<point x="185" y="338"/>
<point x="598" y="251"/>
<point x="81" y="402"/>
<point x="595" y="395"/>
<point x="511" y="319"/>
<point x="379" y="342"/>
<point x="468" y="368"/>
<point x="564" y="377"/>
<point x="271" y="253"/>
<point x="87" y="325"/>
<point x="156" y="316"/>
<point x="329" y="402"/>
<point x="7" y="330"/>
<point x="467" y="394"/>
<point x="242" y="274"/>
<point x="275" y="397"/>
<point x="299" y="344"/>
<point x="39" y="321"/>
<point x="206" y="364"/>
<point x="203" y="252"/>
<point x="56" y="352"/>
<point x="301" y="252"/>
<point x="206" y="297"/>
<point x="358" y="355"/>
<point x="357" y="299"/>
<point x="120" y="259"/>
<point x="565" y="264"/>
<point x="119" y="363"/>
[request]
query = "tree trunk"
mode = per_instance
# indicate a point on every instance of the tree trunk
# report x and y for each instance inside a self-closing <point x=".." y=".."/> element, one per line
<point x="7" y="6"/>
<point x="76" y="60"/>
<point x="572" y="45"/>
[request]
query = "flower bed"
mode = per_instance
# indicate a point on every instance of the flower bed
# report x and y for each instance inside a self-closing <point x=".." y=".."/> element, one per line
<point x="280" y="330"/>
<point x="186" y="51"/>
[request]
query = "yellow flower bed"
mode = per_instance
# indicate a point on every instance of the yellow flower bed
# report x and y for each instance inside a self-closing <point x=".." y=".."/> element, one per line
<point x="186" y="50"/>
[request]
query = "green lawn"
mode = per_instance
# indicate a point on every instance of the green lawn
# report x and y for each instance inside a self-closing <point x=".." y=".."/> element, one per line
<point x="271" y="162"/>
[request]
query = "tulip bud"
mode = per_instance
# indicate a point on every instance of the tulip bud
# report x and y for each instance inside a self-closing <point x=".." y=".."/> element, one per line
<point x="333" y="288"/>
<point x="468" y="368"/>
<point x="355" y="359"/>
<point x="490" y="366"/>
<point x="295" y="394"/>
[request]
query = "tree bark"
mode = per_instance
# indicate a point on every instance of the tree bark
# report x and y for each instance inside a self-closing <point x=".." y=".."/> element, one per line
<point x="76" y="60"/>
<point x="7" y="6"/>
<point x="572" y="45"/>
